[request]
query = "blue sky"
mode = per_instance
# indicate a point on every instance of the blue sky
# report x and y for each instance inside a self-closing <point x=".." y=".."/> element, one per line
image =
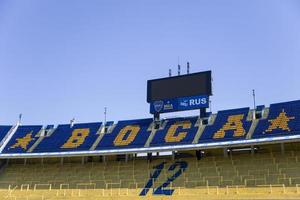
<point x="65" y="59"/>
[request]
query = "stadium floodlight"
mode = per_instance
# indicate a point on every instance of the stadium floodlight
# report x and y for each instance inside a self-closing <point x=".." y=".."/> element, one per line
<point x="187" y="67"/>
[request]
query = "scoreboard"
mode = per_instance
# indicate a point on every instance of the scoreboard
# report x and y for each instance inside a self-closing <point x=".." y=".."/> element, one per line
<point x="185" y="92"/>
<point x="179" y="86"/>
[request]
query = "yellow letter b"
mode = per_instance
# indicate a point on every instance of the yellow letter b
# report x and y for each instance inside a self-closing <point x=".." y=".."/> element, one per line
<point x="77" y="138"/>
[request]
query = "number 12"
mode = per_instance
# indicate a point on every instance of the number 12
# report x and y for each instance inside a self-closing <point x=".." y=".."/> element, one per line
<point x="182" y="165"/>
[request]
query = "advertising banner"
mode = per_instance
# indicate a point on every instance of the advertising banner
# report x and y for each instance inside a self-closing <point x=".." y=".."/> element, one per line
<point x="179" y="104"/>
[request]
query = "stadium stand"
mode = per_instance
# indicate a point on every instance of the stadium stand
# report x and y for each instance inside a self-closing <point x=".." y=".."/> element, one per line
<point x="179" y="131"/>
<point x="3" y="131"/>
<point x="228" y="125"/>
<point x="257" y="158"/>
<point x="67" y="138"/>
<point x="283" y="119"/>
<point x="22" y="139"/>
<point x="126" y="134"/>
<point x="280" y="119"/>
<point x="184" y="178"/>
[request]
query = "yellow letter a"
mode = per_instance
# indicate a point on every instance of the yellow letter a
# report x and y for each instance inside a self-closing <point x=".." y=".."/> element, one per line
<point x="234" y="122"/>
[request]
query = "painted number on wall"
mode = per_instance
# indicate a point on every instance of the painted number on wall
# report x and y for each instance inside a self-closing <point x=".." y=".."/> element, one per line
<point x="177" y="167"/>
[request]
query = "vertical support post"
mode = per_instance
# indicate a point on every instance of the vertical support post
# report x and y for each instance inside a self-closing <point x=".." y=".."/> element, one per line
<point x="62" y="161"/>
<point x="252" y="150"/>
<point x="126" y="158"/>
<point x="173" y="155"/>
<point x="149" y="157"/>
<point x="25" y="161"/>
<point x="83" y="160"/>
<point x="103" y="159"/>
<point x="225" y="152"/>
<point x="282" y="148"/>
<point x="202" y="112"/>
<point x="156" y="116"/>
<point x="198" y="154"/>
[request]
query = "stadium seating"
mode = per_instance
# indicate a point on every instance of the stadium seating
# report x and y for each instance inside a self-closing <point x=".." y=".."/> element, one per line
<point x="237" y="176"/>
<point x="256" y="171"/>
<point x="126" y="134"/>
<point x="260" y="108"/>
<point x="228" y="125"/>
<point x="179" y="131"/>
<point x="3" y="131"/>
<point x="66" y="138"/>
<point x="282" y="119"/>
<point x="23" y="138"/>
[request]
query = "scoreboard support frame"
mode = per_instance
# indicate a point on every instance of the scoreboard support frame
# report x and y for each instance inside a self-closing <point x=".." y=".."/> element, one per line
<point x="202" y="112"/>
<point x="156" y="117"/>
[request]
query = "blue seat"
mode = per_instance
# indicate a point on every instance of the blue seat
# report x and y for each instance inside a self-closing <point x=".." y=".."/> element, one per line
<point x="287" y="113"/>
<point x="139" y="140"/>
<point x="109" y="123"/>
<point x="49" y="127"/>
<point x="229" y="125"/>
<point x="210" y="133"/>
<point x="23" y="139"/>
<point x="62" y="134"/>
<point x="161" y="138"/>
<point x="3" y="131"/>
<point x="259" y="108"/>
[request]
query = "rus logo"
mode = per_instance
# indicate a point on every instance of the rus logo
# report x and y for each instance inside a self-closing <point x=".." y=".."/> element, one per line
<point x="184" y="103"/>
<point x="158" y="105"/>
<point x="199" y="101"/>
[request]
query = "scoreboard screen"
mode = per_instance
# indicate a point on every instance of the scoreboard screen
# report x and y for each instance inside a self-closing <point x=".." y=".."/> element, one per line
<point x="179" y="86"/>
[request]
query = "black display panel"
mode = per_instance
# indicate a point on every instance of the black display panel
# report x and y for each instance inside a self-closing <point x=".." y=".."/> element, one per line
<point x="179" y="86"/>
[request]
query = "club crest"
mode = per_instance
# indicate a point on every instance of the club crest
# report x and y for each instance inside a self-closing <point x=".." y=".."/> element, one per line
<point x="158" y="105"/>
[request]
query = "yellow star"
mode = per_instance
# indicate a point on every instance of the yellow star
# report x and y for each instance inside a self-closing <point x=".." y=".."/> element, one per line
<point x="23" y="142"/>
<point x="280" y="122"/>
